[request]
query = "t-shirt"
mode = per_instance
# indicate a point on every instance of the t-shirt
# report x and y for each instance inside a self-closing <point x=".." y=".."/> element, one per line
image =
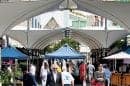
<point x="82" y="71"/>
<point x="99" y="75"/>
<point x="107" y="73"/>
<point x="67" y="77"/>
<point x="32" y="70"/>
<point x="91" y="68"/>
<point x="43" y="73"/>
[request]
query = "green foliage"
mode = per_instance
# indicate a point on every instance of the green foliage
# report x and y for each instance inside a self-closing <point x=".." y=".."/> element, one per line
<point x="22" y="64"/>
<point x="55" y="46"/>
<point x="118" y="44"/>
<point x="5" y="77"/>
<point x="18" y="73"/>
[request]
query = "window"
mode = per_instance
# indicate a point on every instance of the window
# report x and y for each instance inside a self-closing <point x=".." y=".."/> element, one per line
<point x="79" y="24"/>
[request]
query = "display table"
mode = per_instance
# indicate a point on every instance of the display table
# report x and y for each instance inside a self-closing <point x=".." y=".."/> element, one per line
<point x="119" y="79"/>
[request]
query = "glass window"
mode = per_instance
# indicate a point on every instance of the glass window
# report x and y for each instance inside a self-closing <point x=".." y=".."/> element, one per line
<point x="82" y="23"/>
<point x="75" y="24"/>
<point x="78" y="24"/>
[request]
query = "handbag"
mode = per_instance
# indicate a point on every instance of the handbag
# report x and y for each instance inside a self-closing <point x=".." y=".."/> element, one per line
<point x="94" y="82"/>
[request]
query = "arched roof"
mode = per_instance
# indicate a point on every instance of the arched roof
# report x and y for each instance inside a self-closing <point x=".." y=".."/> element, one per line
<point x="92" y="38"/>
<point x="58" y="35"/>
<point x="16" y="12"/>
<point x="13" y="13"/>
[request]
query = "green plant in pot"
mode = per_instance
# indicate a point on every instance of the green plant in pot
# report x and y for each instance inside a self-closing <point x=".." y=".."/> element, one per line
<point x="5" y="77"/>
<point x="18" y="73"/>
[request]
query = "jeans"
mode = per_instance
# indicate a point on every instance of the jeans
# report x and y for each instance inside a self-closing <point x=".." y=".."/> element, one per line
<point x="107" y="82"/>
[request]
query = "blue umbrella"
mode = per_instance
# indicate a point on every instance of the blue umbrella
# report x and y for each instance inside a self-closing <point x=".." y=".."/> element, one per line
<point x="12" y="53"/>
<point x="65" y="52"/>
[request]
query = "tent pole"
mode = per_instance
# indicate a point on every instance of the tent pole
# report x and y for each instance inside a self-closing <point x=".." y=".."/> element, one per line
<point x="27" y="35"/>
<point x="115" y="64"/>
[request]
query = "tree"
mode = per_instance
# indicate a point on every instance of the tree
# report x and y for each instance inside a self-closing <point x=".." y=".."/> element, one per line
<point x="53" y="47"/>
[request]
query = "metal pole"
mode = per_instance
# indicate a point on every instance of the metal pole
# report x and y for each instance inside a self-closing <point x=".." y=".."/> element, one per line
<point x="27" y="34"/>
<point x="7" y="40"/>
<point x="115" y="64"/>
<point x="106" y="32"/>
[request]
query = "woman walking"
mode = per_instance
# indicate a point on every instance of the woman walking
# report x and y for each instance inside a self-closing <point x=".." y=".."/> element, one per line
<point x="99" y="77"/>
<point x="44" y="72"/>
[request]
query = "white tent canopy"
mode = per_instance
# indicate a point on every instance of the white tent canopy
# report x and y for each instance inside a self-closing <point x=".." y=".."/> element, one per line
<point x="94" y="39"/>
<point x="16" y="12"/>
<point x="120" y="55"/>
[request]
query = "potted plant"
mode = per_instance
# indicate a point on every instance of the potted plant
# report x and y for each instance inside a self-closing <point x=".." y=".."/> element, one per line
<point x="18" y="74"/>
<point x="5" y="78"/>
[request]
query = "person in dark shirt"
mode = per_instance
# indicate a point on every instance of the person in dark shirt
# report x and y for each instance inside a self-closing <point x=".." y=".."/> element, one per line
<point x="28" y="79"/>
<point x="54" y="77"/>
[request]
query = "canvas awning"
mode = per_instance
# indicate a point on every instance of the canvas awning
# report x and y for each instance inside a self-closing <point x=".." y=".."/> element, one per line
<point x="12" y="53"/>
<point x="120" y="55"/>
<point x="65" y="52"/>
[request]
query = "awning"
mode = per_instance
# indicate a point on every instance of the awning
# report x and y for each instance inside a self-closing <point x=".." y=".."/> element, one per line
<point x="65" y="52"/>
<point x="12" y="53"/>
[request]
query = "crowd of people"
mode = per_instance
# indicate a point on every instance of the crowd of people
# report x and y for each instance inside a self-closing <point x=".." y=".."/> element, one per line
<point x="65" y="74"/>
<point x="53" y="75"/>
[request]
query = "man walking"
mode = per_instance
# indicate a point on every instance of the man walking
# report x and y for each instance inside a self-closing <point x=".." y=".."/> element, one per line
<point x="54" y="78"/>
<point x="91" y="69"/>
<point x="28" y="79"/>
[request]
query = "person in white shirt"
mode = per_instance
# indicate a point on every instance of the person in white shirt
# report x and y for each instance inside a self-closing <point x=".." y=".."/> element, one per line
<point x="32" y="69"/>
<point x="91" y="69"/>
<point x="67" y="78"/>
<point x="43" y="73"/>
<point x="10" y="71"/>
